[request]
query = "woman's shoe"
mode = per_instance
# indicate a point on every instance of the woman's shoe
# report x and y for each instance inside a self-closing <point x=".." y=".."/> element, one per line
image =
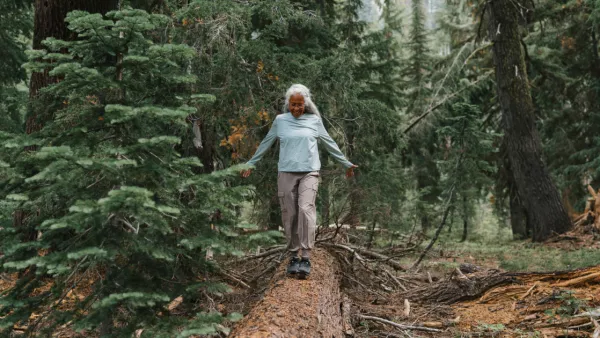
<point x="304" y="268"/>
<point x="292" y="268"/>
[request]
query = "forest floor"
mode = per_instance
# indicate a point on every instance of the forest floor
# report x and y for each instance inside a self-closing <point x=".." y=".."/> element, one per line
<point x="462" y="289"/>
<point x="469" y="289"/>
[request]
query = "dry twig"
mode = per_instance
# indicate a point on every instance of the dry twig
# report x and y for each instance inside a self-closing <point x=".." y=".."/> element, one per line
<point x="400" y="326"/>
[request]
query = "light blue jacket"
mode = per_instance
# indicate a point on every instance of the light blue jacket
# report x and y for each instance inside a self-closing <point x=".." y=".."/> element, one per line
<point x="298" y="137"/>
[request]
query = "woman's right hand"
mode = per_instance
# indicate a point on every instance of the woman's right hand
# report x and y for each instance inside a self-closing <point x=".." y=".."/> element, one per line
<point x="246" y="173"/>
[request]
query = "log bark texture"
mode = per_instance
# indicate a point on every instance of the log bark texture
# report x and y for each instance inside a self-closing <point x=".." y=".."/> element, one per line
<point x="299" y="308"/>
<point x="541" y="198"/>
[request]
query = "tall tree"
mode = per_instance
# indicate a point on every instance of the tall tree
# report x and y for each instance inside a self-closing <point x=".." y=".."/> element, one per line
<point x="541" y="198"/>
<point x="422" y="144"/>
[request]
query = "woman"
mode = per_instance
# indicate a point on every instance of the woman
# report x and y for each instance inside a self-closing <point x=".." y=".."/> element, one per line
<point x="298" y="129"/>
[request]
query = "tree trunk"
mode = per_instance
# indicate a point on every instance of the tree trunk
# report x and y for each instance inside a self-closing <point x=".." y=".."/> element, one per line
<point x="372" y="235"/>
<point x="451" y="219"/>
<point x="207" y="153"/>
<point x="292" y="308"/>
<point x="355" y="193"/>
<point x="465" y="220"/>
<point x="518" y="216"/>
<point x="540" y="196"/>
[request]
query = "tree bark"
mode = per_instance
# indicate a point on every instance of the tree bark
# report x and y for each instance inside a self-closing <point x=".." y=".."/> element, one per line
<point x="540" y="196"/>
<point x="207" y="153"/>
<point x="292" y="308"/>
<point x="355" y="193"/>
<point x="465" y="220"/>
<point x="518" y="216"/>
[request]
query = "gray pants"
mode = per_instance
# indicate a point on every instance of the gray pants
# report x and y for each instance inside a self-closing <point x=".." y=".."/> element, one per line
<point x="297" y="193"/>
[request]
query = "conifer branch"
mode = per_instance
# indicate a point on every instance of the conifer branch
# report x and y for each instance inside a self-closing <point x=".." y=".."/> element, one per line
<point x="443" y="101"/>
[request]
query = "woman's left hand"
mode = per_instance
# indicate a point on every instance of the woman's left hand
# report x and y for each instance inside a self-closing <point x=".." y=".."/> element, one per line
<point x="350" y="171"/>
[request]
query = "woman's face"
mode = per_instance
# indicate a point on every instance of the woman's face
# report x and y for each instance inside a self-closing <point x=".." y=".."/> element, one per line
<point x="296" y="105"/>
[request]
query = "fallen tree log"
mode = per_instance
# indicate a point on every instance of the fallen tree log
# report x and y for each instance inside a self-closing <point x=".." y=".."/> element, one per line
<point x="299" y="308"/>
<point x="459" y="287"/>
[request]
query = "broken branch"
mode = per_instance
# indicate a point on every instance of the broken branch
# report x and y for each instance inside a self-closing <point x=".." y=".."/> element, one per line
<point x="400" y="326"/>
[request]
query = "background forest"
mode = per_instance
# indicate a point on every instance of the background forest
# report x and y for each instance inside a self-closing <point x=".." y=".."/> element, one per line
<point x="126" y="123"/>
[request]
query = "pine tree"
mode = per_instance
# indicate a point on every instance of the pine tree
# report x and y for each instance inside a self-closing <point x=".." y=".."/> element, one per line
<point x="117" y="206"/>
<point x="49" y="21"/>
<point x="466" y="163"/>
<point x="421" y="146"/>
<point x="15" y="29"/>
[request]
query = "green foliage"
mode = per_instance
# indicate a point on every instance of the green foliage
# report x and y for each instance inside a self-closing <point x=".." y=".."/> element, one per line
<point x="495" y="328"/>
<point x="570" y="305"/>
<point x="108" y="189"/>
<point x="562" y="59"/>
<point x="16" y="26"/>
<point x="466" y="160"/>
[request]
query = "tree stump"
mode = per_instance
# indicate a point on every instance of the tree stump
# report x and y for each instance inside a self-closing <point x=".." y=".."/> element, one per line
<point x="299" y="308"/>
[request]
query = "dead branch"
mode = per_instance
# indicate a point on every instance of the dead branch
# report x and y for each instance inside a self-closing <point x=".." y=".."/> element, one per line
<point x="264" y="254"/>
<point x="396" y="280"/>
<point x="579" y="280"/>
<point x="400" y="326"/>
<point x="386" y="259"/>
<point x="356" y="250"/>
<point x="235" y="279"/>
<point x="459" y="287"/>
<point x="437" y="232"/>
<point x="346" y="306"/>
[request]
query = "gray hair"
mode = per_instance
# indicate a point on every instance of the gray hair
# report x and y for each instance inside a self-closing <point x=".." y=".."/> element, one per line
<point x="309" y="105"/>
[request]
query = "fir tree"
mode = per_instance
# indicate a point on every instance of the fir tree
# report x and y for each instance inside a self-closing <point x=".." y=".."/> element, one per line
<point x="116" y="204"/>
<point x="421" y="146"/>
<point x="15" y="29"/>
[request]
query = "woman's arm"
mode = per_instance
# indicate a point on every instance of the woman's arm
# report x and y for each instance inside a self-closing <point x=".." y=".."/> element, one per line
<point x="332" y="147"/>
<point x="266" y="143"/>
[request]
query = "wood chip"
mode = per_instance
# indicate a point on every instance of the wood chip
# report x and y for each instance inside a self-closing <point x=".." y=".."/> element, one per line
<point x="175" y="303"/>
<point x="528" y="291"/>
<point x="579" y="280"/>
<point x="592" y="191"/>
